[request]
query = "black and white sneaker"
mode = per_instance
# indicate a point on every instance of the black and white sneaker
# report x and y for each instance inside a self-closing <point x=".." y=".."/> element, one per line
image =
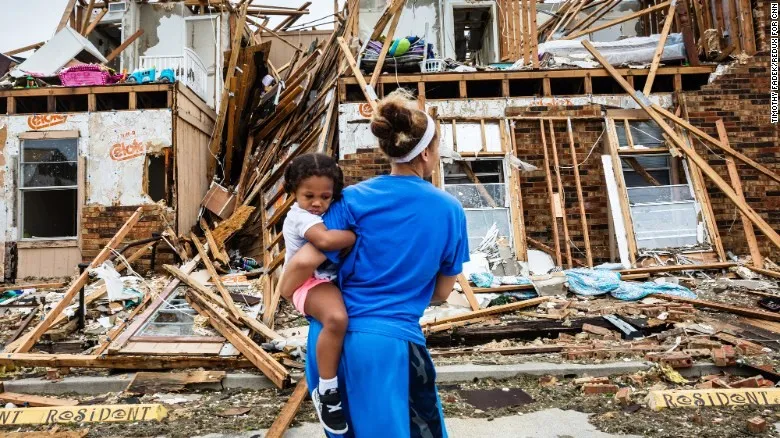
<point x="328" y="407"/>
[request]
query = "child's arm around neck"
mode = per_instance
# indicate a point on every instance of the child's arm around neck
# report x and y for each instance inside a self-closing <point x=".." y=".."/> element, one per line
<point x="329" y="240"/>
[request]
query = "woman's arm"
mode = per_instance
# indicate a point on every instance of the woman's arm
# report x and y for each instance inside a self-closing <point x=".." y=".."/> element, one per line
<point x="329" y="240"/>
<point x="443" y="288"/>
<point x="299" y="269"/>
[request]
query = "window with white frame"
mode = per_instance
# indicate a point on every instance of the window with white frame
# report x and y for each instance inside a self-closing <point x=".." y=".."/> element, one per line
<point x="481" y="188"/>
<point x="48" y="188"/>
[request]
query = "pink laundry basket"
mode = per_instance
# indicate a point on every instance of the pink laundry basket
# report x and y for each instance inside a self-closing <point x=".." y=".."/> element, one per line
<point x="87" y="74"/>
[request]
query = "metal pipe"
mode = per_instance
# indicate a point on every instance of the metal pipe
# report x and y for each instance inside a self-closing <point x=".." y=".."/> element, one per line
<point x="82" y="310"/>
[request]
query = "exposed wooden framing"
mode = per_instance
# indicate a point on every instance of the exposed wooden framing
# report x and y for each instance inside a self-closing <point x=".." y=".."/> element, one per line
<point x="231" y="306"/>
<point x="380" y="62"/>
<point x="356" y="71"/>
<point x="534" y="36"/>
<point x="593" y="16"/>
<point x="617" y="167"/>
<point x="546" y="248"/>
<point x="462" y="90"/>
<point x="383" y="19"/>
<point x="745" y="19"/>
<point x="526" y="31"/>
<point x="750" y="234"/>
<point x="561" y="194"/>
<point x="121" y="362"/>
<point x="629" y="135"/>
<point x="114" y="53"/>
<point x="555" y="28"/>
<point x="765" y="228"/>
<point x="684" y="23"/>
<point x="259" y="357"/>
<point x="495" y="310"/>
<point x="659" y="50"/>
<point x="577" y="10"/>
<point x="551" y="196"/>
<point x="215" y="145"/>
<point x="619" y="20"/>
<point x="580" y="197"/>
<point x="289" y="21"/>
<point x="286" y="416"/>
<point x="66" y="15"/>
<point x="751" y="313"/>
<point x="546" y="87"/>
<point x="516" y="206"/>
<point x="715" y="142"/>
<point x="24" y="49"/>
<point x="29" y="340"/>
<point x="87" y="16"/>
<point x="632" y="161"/>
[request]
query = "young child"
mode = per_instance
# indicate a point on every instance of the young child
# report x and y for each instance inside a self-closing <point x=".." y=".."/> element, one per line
<point x="316" y="181"/>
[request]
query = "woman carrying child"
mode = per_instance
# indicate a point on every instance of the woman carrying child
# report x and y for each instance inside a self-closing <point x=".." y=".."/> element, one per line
<point x="411" y="244"/>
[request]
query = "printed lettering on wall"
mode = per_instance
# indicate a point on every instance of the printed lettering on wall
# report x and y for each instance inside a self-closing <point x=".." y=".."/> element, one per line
<point x="127" y="147"/>
<point x="40" y="121"/>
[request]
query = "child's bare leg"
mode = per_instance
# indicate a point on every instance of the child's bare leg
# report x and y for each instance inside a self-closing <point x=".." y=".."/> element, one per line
<point x="325" y="304"/>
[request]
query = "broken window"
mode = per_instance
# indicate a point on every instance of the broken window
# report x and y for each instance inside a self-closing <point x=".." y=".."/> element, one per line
<point x="155" y="177"/>
<point x="474" y="37"/>
<point x="481" y="188"/>
<point x="49" y="188"/>
<point x="174" y="318"/>
<point x="641" y="134"/>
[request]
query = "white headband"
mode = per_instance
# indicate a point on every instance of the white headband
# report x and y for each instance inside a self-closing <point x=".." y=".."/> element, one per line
<point x="430" y="130"/>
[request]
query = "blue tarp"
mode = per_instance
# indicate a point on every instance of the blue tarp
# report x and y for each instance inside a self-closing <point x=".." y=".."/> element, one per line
<point x="594" y="282"/>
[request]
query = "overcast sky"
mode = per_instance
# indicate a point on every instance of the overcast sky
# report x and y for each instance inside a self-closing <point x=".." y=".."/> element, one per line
<point x="24" y="22"/>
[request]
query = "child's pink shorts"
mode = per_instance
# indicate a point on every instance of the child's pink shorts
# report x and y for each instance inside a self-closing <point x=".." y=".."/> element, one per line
<point x="300" y="294"/>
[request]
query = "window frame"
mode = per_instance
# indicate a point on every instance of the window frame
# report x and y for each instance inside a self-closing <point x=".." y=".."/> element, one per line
<point x="48" y="135"/>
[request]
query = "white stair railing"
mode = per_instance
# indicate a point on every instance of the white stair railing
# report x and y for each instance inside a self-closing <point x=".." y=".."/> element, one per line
<point x="189" y="69"/>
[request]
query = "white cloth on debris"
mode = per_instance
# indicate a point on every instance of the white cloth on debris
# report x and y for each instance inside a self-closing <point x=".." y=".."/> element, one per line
<point x="296" y="224"/>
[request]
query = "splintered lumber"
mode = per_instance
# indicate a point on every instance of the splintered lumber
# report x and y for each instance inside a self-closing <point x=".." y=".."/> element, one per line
<point x="495" y="310"/>
<point x="243" y="318"/>
<point x="750" y="234"/>
<point x="644" y="103"/>
<point x="231" y="306"/>
<point x="233" y="224"/>
<point x="561" y="195"/>
<point x="713" y="141"/>
<point x="289" y="21"/>
<point x="266" y="363"/>
<point x="95" y="22"/>
<point x="659" y="50"/>
<point x="66" y="14"/>
<point x="121" y="362"/>
<point x="35" y="400"/>
<point x="286" y="416"/>
<point x="751" y="313"/>
<point x="388" y="13"/>
<point x="235" y="47"/>
<point x="32" y="337"/>
<point x="618" y="20"/>
<point x="380" y="62"/>
<point x="762" y="271"/>
<point x="33" y="286"/>
<point x="675" y="268"/>
<point x="468" y="291"/>
<point x="216" y="249"/>
<point x="370" y="96"/>
<point x="124" y="45"/>
<point x="87" y="16"/>
<point x="153" y="382"/>
<point x="23" y="49"/>
<point x="580" y="198"/>
<point x="556" y="236"/>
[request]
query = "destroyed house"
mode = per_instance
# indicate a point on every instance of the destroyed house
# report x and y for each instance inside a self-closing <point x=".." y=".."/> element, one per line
<point x="113" y="112"/>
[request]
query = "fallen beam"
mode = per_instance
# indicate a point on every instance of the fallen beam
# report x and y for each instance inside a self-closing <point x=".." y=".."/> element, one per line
<point x="35" y="400"/>
<point x="676" y="268"/>
<point x="289" y="410"/>
<point x="489" y="311"/>
<point x="121" y="362"/>
<point x="618" y="20"/>
<point x="757" y="314"/>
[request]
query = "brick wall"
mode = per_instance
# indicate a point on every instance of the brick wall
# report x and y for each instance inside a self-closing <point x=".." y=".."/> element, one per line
<point x="364" y="164"/>
<point x="536" y="202"/>
<point x="99" y="224"/>
<point x="740" y="97"/>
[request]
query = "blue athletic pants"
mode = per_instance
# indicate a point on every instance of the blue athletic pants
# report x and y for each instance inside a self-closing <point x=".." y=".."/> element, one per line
<point x="389" y="383"/>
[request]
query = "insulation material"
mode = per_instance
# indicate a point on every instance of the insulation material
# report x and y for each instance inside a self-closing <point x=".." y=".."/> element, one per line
<point x="635" y="50"/>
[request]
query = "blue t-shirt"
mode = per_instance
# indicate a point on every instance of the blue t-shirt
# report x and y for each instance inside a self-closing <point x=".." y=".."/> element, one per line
<point x="408" y="232"/>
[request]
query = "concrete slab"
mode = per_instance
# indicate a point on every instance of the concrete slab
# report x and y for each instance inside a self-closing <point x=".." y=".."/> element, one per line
<point x="549" y="423"/>
<point x="77" y="385"/>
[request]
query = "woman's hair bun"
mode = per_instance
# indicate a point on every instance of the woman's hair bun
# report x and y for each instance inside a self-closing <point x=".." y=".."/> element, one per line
<point x="397" y="124"/>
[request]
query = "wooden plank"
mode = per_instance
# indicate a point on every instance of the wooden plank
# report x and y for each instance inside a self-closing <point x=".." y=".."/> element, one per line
<point x="204" y="257"/>
<point x="750" y="234"/>
<point x="153" y="382"/>
<point x="356" y="71"/>
<point x="22" y="326"/>
<point x="87" y="16"/>
<point x="66" y="14"/>
<point x="56" y="285"/>
<point x="684" y="23"/>
<point x="287" y="414"/>
<point x="380" y="62"/>
<point x="527" y="31"/>
<point x="751" y="313"/>
<point x="534" y="36"/>
<point x="612" y="146"/>
<point x="632" y="161"/>
<point x="495" y="310"/>
<point x="32" y="337"/>
<point x="215" y="145"/>
<point x="580" y="197"/>
<point x="677" y="268"/>
<point x="619" y="20"/>
<point x="562" y="195"/>
<point x="556" y="236"/>
<point x="120" y="362"/>
<point x="516" y="194"/>
<point x="24" y="49"/>
<point x="35" y="400"/>
<point x="762" y="271"/>
<point x="124" y="45"/>
<point x="217" y="250"/>
<point x="95" y="22"/>
<point x="659" y="49"/>
<point x="713" y="141"/>
<point x="468" y="291"/>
